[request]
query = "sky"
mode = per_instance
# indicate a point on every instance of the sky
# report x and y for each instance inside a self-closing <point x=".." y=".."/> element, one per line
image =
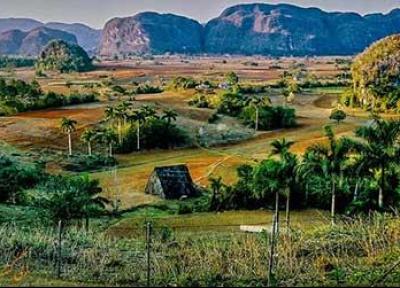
<point x="96" y="12"/>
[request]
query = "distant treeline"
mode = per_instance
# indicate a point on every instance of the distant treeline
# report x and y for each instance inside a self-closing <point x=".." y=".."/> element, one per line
<point x="18" y="96"/>
<point x="16" y="62"/>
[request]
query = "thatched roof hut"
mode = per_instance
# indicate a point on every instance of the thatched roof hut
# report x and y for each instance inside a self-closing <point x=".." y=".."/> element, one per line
<point x="171" y="182"/>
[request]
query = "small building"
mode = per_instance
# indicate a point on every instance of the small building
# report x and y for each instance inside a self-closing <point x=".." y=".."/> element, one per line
<point x="171" y="182"/>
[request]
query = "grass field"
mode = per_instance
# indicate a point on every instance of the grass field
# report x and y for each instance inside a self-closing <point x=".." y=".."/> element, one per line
<point x="132" y="223"/>
<point x="39" y="130"/>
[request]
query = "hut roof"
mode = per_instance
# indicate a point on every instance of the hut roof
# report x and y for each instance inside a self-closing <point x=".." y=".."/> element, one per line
<point x="175" y="181"/>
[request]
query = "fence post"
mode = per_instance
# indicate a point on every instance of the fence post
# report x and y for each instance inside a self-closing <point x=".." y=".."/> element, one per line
<point x="59" y="249"/>
<point x="148" y="256"/>
<point x="271" y="252"/>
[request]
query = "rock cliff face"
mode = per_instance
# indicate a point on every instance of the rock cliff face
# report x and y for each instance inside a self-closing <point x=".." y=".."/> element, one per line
<point x="290" y="30"/>
<point x="16" y="42"/>
<point x="277" y="30"/>
<point x="250" y="29"/>
<point x="151" y="33"/>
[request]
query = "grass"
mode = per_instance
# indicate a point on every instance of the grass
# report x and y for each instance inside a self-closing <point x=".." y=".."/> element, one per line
<point x="360" y="252"/>
<point x="132" y="223"/>
<point x="18" y="214"/>
<point x="27" y="279"/>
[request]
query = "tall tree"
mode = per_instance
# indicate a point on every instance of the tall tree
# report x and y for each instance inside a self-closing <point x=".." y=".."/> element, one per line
<point x="289" y="166"/>
<point x="139" y="118"/>
<point x="68" y="126"/>
<point x="149" y="111"/>
<point x="380" y="149"/>
<point x="88" y="136"/>
<point x="110" y="138"/>
<point x="66" y="198"/>
<point x="257" y="102"/>
<point x="331" y="160"/>
<point x="216" y="185"/>
<point x="169" y="115"/>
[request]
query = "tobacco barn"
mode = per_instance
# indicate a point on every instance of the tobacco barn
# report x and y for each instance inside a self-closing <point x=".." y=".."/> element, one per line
<point x="171" y="182"/>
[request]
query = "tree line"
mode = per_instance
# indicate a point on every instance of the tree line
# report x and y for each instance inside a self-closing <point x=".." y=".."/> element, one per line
<point x="19" y="96"/>
<point x="125" y="129"/>
<point x="347" y="174"/>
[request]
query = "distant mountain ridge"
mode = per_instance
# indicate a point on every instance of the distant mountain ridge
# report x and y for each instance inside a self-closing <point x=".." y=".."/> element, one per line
<point x="290" y="30"/>
<point x="17" y="42"/>
<point x="151" y="32"/>
<point x="87" y="37"/>
<point x="247" y="29"/>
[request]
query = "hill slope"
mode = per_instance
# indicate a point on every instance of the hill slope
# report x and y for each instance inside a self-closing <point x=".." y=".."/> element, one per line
<point x="151" y="33"/>
<point x="250" y="29"/>
<point x="87" y="37"/>
<point x="23" y="24"/>
<point x="290" y="30"/>
<point x="64" y="57"/>
<point x="16" y="42"/>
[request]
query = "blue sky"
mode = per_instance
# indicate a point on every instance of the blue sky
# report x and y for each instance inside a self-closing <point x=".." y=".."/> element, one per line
<point x="97" y="12"/>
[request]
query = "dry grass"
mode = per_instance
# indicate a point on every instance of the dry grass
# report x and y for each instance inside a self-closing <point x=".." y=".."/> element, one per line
<point x="357" y="252"/>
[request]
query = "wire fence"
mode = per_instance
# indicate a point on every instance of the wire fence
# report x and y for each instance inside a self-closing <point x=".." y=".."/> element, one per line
<point x="190" y="255"/>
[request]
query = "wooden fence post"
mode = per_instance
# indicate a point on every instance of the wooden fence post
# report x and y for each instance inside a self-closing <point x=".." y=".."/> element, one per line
<point x="148" y="255"/>
<point x="271" y="252"/>
<point x="59" y="249"/>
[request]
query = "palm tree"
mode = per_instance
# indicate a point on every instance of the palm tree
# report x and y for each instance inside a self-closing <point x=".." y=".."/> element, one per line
<point x="290" y="91"/>
<point x="148" y="111"/>
<point x="216" y="185"/>
<point x="169" y="115"/>
<point x="256" y="103"/>
<point x="380" y="149"/>
<point x="88" y="136"/>
<point x="110" y="113"/>
<point x="139" y="117"/>
<point x="109" y="137"/>
<point x="331" y="160"/>
<point x="289" y="164"/>
<point x="68" y="126"/>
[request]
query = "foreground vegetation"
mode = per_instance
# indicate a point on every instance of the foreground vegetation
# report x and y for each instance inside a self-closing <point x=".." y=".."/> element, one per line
<point x="358" y="252"/>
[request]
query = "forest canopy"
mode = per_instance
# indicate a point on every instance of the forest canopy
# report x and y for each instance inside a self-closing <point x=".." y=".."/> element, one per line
<point x="376" y="75"/>
<point x="64" y="57"/>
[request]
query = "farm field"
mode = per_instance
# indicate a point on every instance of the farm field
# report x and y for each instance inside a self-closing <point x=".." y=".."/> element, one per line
<point x="258" y="147"/>
<point x="39" y="131"/>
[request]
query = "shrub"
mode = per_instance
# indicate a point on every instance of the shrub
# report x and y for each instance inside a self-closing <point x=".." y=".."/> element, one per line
<point x="84" y="163"/>
<point x="185" y="208"/>
<point x="155" y="134"/>
<point x="200" y="101"/>
<point x="338" y="115"/>
<point x="270" y="117"/>
<point x="182" y="82"/>
<point x="16" y="62"/>
<point x="16" y="176"/>
<point x="214" y="118"/>
<point x="147" y="89"/>
<point x="231" y="104"/>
